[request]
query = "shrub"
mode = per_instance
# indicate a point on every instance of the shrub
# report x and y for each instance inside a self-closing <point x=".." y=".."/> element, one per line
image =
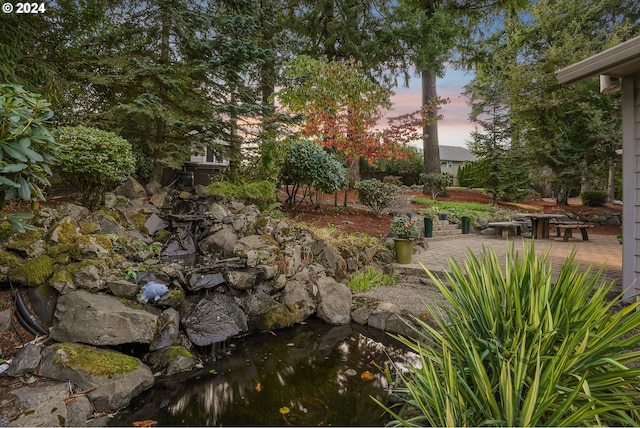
<point x="27" y="149"/>
<point x="93" y="161"/>
<point x="376" y="194"/>
<point x="594" y="198"/>
<point x="309" y="165"/>
<point x="435" y="184"/>
<point x="516" y="349"/>
<point x="260" y="191"/>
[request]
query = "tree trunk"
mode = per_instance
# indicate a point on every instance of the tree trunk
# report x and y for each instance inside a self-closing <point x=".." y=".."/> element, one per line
<point x="161" y="125"/>
<point x="430" y="145"/>
<point x="611" y="181"/>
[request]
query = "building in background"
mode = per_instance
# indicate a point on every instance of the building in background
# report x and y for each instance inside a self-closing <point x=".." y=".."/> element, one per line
<point x="452" y="158"/>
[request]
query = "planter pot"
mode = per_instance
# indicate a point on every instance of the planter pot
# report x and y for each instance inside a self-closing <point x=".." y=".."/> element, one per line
<point x="404" y="250"/>
<point x="465" y="225"/>
<point x="547" y="208"/>
<point x="428" y="227"/>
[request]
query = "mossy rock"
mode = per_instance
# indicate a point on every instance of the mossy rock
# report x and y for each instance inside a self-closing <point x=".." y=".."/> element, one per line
<point x="34" y="272"/>
<point x="25" y="241"/>
<point x="9" y="259"/>
<point x="6" y="231"/>
<point x="55" y="251"/>
<point x="138" y="221"/>
<point x="162" y="235"/>
<point x="280" y="317"/>
<point x="98" y="362"/>
<point x="61" y="279"/>
<point x="89" y="228"/>
<point x="73" y="268"/>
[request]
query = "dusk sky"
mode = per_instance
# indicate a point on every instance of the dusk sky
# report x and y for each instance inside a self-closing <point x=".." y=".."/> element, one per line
<point x="455" y="128"/>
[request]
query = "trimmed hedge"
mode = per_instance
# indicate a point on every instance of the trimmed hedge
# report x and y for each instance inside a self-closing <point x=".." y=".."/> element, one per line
<point x="594" y="198"/>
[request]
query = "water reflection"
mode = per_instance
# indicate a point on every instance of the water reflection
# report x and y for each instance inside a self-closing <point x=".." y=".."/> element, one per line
<point x="305" y="375"/>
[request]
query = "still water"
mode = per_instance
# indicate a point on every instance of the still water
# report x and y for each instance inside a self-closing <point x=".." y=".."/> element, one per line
<point x="312" y="374"/>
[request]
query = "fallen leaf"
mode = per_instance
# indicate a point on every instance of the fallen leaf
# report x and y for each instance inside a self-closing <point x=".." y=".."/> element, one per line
<point x="258" y="387"/>
<point x="284" y="410"/>
<point x="145" y="423"/>
<point x="366" y="376"/>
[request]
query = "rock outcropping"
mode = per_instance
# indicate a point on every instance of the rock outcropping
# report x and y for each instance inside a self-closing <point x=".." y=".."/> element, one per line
<point x="229" y="269"/>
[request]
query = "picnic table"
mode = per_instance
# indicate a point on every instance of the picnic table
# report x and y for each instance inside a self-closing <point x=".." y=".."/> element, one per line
<point x="504" y="227"/>
<point x="567" y="227"/>
<point x="540" y="223"/>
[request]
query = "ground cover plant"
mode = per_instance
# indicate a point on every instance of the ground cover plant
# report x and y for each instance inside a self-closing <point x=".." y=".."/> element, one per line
<point x="517" y="349"/>
<point x="455" y="209"/>
<point x="369" y="278"/>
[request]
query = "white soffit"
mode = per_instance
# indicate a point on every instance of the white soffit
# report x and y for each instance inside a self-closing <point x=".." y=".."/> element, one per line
<point x="619" y="61"/>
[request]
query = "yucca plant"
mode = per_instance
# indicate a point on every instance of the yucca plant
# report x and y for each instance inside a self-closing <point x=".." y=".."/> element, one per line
<point x="516" y="349"/>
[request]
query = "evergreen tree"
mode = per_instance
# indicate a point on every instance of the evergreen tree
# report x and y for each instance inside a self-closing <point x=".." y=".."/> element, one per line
<point x="570" y="130"/>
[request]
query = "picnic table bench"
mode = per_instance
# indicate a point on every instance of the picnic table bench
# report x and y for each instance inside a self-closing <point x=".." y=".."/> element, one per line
<point x="567" y="227"/>
<point x="507" y="226"/>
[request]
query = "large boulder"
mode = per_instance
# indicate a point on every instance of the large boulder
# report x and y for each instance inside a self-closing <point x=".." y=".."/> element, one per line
<point x="335" y="302"/>
<point x="100" y="319"/>
<point x="266" y="314"/>
<point x="214" y="318"/>
<point x="41" y="406"/>
<point x="131" y="189"/>
<point x="112" y="378"/>
<point x="222" y="241"/>
<point x="298" y="300"/>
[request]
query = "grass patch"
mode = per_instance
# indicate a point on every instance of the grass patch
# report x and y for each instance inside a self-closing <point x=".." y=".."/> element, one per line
<point x="369" y="278"/>
<point x="420" y="200"/>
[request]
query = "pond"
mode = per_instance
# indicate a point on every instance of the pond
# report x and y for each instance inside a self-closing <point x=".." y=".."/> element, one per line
<point x="312" y="374"/>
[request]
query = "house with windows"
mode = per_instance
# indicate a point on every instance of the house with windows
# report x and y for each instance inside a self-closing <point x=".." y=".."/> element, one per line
<point x="201" y="168"/>
<point x="619" y="70"/>
<point x="452" y="158"/>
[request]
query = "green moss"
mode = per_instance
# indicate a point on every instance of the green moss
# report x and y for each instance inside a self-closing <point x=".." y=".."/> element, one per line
<point x="56" y="250"/>
<point x="9" y="259"/>
<point x="33" y="272"/>
<point x="261" y="222"/>
<point x="95" y="361"/>
<point x="67" y="232"/>
<point x="103" y="240"/>
<point x="138" y="221"/>
<point x="174" y="352"/>
<point x="88" y="228"/>
<point x="280" y="317"/>
<point x="162" y="235"/>
<point x="61" y="276"/>
<point x="6" y="231"/>
<point x="26" y="240"/>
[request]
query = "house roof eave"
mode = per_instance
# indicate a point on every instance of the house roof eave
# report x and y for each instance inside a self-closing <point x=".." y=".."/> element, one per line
<point x="618" y="61"/>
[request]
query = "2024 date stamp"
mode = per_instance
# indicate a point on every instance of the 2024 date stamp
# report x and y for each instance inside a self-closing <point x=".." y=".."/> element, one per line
<point x="24" y="8"/>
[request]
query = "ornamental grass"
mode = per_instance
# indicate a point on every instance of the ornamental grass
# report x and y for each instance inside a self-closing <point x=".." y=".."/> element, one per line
<point x="517" y="349"/>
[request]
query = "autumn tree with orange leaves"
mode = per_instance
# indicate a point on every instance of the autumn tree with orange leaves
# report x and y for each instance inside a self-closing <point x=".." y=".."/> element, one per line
<point x="339" y="107"/>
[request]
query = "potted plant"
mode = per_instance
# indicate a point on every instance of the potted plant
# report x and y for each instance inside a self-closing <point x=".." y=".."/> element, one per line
<point x="405" y="232"/>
